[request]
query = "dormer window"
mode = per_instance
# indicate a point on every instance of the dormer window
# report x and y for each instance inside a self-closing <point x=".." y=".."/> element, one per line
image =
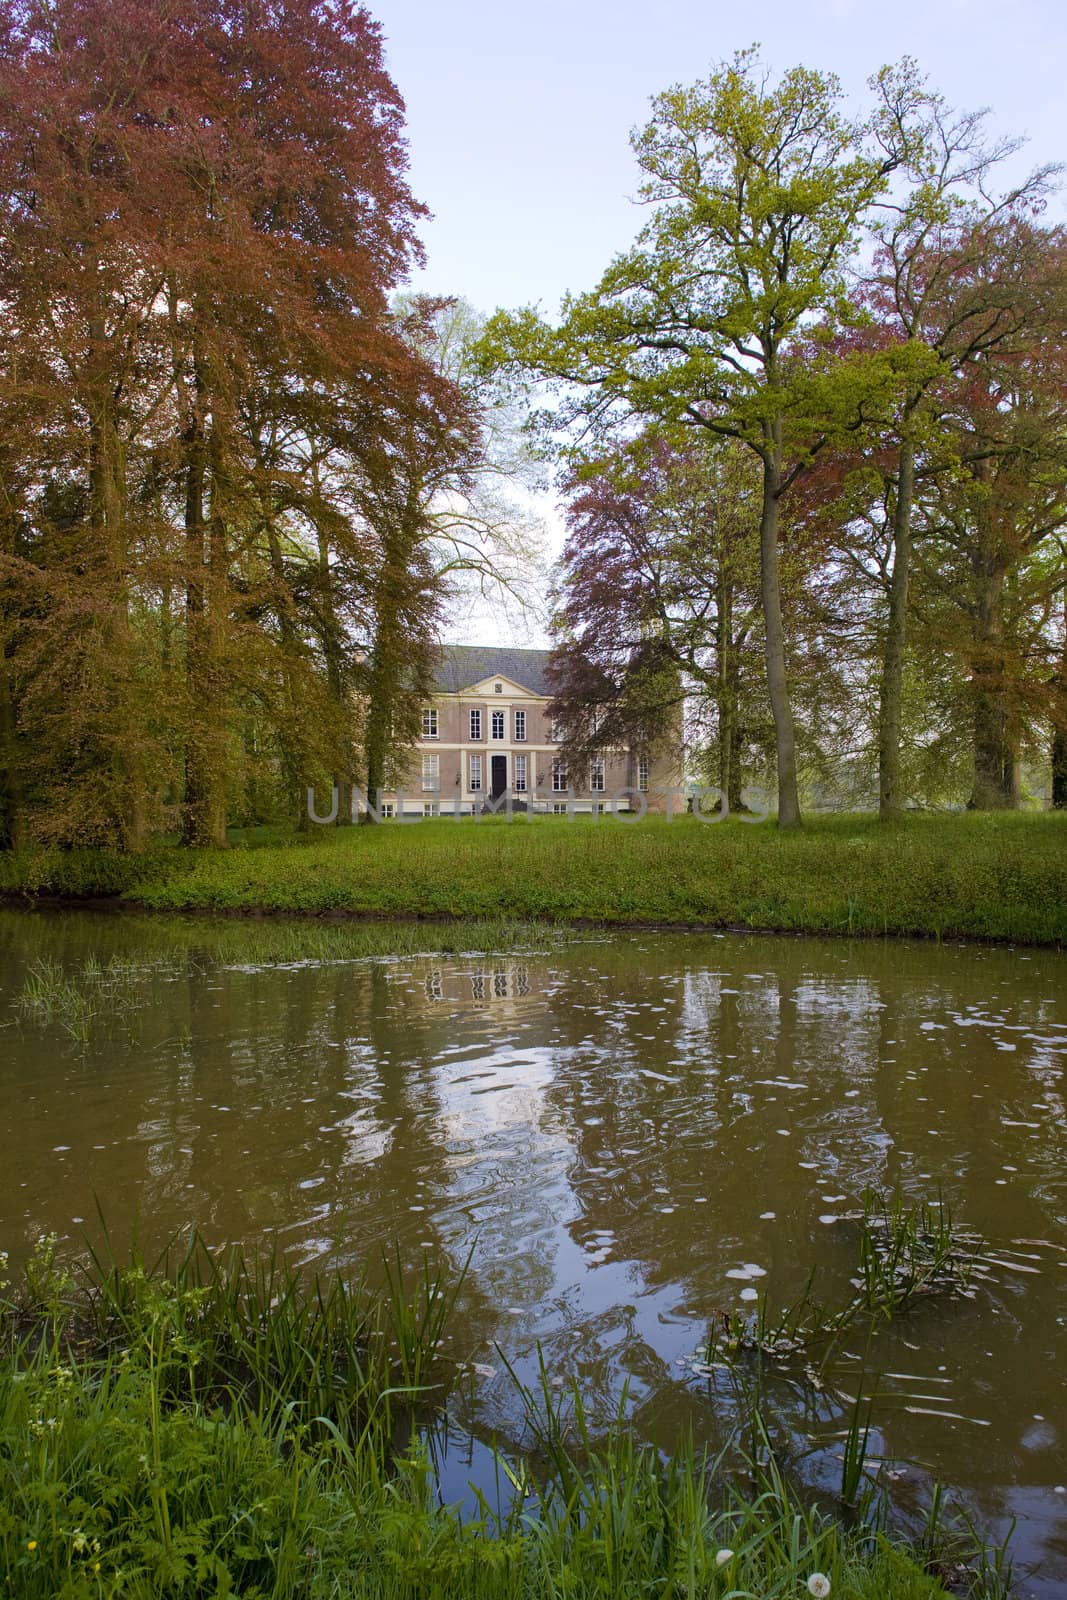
<point x="498" y="688"/>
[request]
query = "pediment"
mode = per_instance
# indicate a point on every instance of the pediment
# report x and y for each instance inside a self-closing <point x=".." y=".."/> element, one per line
<point x="485" y="689"/>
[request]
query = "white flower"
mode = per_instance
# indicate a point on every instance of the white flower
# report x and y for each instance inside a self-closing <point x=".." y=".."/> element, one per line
<point x="819" y="1585"/>
<point x="722" y="1557"/>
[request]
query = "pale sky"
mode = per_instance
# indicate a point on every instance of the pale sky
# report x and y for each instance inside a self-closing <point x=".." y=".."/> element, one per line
<point x="519" y="117"/>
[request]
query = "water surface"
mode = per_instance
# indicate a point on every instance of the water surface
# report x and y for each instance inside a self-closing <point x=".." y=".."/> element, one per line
<point x="632" y="1135"/>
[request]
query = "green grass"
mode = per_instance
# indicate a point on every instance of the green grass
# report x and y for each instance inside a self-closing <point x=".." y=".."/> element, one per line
<point x="207" y="1427"/>
<point x="986" y="877"/>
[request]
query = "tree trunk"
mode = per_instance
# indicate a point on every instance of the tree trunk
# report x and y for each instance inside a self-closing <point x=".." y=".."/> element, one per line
<point x="290" y="758"/>
<point x="995" y="762"/>
<point x="13" y="820"/>
<point x="386" y="665"/>
<point x="332" y="641"/>
<point x="13" y="830"/>
<point x="204" y="820"/>
<point x="107" y="515"/>
<point x="771" y="594"/>
<point x="890" y="705"/>
<point x="727" y="706"/>
<point x="995" y="737"/>
<point x="1059" y="726"/>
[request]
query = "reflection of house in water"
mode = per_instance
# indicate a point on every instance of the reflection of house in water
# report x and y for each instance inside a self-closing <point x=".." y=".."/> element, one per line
<point x="481" y="986"/>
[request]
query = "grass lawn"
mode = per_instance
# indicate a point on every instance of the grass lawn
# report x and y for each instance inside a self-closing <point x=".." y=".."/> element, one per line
<point x="987" y="877"/>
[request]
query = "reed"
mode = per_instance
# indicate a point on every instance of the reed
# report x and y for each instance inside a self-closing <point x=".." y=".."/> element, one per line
<point x="203" y="1425"/>
<point x="906" y="1253"/>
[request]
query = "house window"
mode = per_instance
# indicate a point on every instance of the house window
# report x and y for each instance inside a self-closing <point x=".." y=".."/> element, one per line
<point x="476" y="773"/>
<point x="476" y="722"/>
<point x="429" y="808"/>
<point x="498" y="688"/>
<point x="388" y="809"/>
<point x="520" y="727"/>
<point x="596" y="774"/>
<point x="497" y="725"/>
<point x="559" y="808"/>
<point x="642" y="774"/>
<point x="429" y="722"/>
<point x="520" y="774"/>
<point x="556" y="732"/>
<point x="559" y="776"/>
<point x="431" y="771"/>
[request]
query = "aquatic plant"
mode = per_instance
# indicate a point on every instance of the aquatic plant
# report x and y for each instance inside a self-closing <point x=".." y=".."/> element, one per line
<point x="204" y="1424"/>
<point x="77" y="998"/>
<point x="51" y="995"/>
<point x="906" y="1252"/>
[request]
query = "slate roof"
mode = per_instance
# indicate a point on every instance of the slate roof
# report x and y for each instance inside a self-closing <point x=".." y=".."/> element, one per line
<point x="462" y="665"/>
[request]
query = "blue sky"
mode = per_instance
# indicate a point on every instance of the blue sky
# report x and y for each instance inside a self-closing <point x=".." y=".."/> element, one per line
<point x="519" y="116"/>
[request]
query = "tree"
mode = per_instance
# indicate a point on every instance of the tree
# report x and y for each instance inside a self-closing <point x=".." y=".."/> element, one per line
<point x="943" y="284"/>
<point x="995" y="526"/>
<point x="203" y="216"/>
<point x="1059" y="705"/>
<point x="759" y="191"/>
<point x="659" y="597"/>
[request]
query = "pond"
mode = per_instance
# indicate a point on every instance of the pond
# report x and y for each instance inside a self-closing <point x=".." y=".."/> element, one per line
<point x="629" y="1135"/>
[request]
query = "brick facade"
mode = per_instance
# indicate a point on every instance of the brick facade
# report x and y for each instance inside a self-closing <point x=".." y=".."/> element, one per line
<point x="487" y="737"/>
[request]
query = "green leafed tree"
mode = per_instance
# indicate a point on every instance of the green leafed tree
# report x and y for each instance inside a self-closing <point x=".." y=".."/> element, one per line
<point x="758" y="190"/>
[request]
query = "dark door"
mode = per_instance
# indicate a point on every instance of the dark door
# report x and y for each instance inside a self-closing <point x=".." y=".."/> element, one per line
<point x="499" y="776"/>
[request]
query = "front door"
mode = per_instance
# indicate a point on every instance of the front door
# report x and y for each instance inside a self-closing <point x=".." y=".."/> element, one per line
<point x="499" y="778"/>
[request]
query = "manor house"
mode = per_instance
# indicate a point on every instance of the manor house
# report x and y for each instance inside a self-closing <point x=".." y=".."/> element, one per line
<point x="487" y="737"/>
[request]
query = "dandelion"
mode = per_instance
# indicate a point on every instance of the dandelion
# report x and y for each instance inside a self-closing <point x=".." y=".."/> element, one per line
<point x="819" y="1585"/>
<point x="722" y="1557"/>
<point x="31" y="1544"/>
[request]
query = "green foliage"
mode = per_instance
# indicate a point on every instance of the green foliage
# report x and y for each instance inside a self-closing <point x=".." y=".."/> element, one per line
<point x="984" y="877"/>
<point x="127" y="1468"/>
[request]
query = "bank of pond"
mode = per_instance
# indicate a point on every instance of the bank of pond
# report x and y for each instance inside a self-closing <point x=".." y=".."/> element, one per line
<point x="982" y="876"/>
<point x="208" y="1425"/>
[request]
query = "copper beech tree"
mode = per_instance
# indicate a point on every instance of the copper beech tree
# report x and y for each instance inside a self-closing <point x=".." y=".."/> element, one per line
<point x="205" y="211"/>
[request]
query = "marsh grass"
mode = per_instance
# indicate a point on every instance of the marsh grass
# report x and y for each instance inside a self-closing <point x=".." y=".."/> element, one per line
<point x="94" y="994"/>
<point x="51" y="996"/>
<point x="906" y="1253"/>
<point x="247" y="1337"/>
<point x="80" y="998"/>
<point x="204" y="1425"/>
